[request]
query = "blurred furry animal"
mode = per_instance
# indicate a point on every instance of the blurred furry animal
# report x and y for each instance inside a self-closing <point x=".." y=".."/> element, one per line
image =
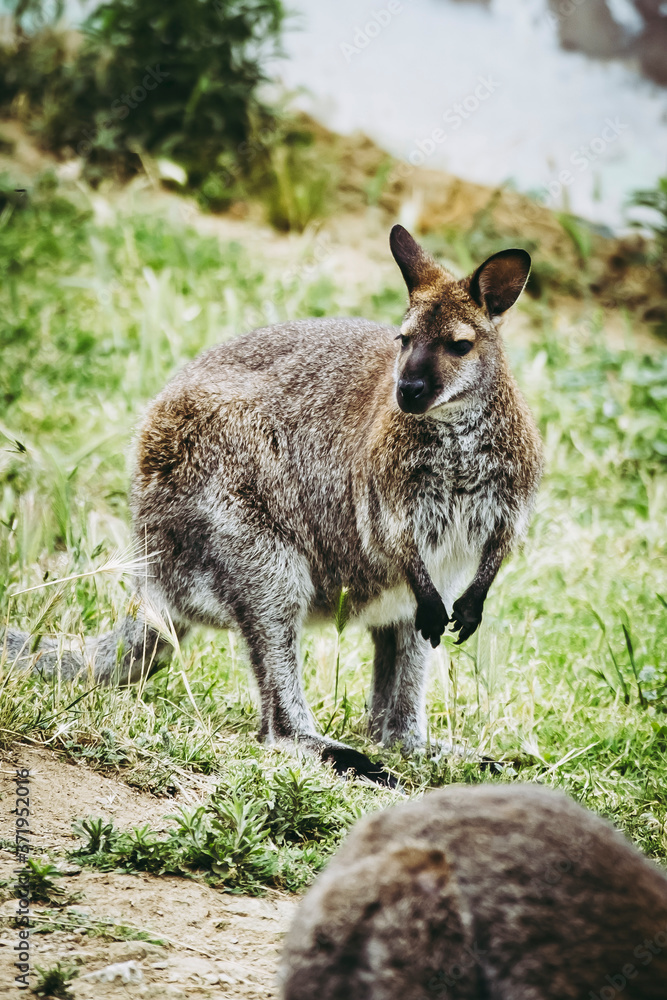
<point x="321" y="454"/>
<point x="482" y="893"/>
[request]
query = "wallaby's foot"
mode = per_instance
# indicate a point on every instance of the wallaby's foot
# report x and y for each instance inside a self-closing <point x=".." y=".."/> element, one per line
<point x="409" y="742"/>
<point x="467" y="616"/>
<point x="432" y="618"/>
<point x="348" y="762"/>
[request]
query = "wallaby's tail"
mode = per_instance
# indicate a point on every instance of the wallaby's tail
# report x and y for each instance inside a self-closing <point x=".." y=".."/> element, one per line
<point x="135" y="649"/>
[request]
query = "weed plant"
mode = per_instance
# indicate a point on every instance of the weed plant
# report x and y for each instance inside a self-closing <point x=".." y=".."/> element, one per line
<point x="55" y="982"/>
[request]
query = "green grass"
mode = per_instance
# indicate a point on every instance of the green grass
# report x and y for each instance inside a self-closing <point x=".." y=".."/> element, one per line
<point x="566" y="681"/>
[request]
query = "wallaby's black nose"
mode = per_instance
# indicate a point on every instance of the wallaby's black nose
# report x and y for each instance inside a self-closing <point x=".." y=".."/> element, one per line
<point x="412" y="389"/>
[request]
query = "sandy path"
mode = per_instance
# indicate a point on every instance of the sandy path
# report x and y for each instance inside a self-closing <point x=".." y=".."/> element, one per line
<point x="217" y="945"/>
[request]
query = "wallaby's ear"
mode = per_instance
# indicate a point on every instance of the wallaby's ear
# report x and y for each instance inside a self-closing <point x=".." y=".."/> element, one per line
<point x="499" y="281"/>
<point x="417" y="267"/>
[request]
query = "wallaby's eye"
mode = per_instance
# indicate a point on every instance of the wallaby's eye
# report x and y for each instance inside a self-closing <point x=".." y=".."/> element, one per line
<point x="461" y="347"/>
<point x="404" y="340"/>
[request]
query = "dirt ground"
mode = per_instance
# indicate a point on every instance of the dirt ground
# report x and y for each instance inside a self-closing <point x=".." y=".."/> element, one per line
<point x="216" y="945"/>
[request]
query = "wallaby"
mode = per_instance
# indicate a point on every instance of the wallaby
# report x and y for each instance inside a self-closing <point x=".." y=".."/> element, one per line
<point x="321" y="454"/>
<point x="487" y="892"/>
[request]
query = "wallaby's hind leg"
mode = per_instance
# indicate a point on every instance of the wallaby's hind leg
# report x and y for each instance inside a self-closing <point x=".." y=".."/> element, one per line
<point x="398" y="711"/>
<point x="273" y="654"/>
<point x="285" y="716"/>
<point x="269" y="611"/>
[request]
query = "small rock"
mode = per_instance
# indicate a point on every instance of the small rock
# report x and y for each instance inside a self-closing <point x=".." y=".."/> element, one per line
<point x="127" y="972"/>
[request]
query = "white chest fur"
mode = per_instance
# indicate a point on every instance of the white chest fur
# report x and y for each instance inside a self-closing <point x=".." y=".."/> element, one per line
<point x="451" y="566"/>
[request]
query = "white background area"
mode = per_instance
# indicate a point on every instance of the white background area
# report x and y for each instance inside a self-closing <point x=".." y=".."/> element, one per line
<point x="547" y="103"/>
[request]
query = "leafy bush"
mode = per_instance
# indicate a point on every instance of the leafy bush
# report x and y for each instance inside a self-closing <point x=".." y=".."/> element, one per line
<point x="655" y="199"/>
<point x="656" y="257"/>
<point x="40" y="878"/>
<point x="177" y="80"/>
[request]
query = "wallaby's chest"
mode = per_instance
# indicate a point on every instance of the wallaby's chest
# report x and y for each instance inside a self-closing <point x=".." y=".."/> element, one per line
<point x="450" y="484"/>
<point x="447" y="495"/>
<point x="451" y="548"/>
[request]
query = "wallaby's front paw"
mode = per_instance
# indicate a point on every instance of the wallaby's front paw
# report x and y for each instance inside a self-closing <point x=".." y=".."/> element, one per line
<point x="432" y="618"/>
<point x="467" y="616"/>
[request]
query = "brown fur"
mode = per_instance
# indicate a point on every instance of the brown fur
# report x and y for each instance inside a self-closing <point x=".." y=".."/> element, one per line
<point x="482" y="893"/>
<point x="312" y="456"/>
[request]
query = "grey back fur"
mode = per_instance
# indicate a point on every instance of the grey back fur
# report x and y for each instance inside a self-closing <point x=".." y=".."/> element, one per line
<point x="482" y="893"/>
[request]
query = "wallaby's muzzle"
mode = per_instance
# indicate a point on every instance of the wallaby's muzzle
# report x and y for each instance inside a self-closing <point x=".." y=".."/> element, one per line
<point x="411" y="395"/>
<point x="416" y="388"/>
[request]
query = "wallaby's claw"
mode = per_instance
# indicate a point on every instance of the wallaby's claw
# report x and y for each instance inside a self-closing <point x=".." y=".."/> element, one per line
<point x="464" y="633"/>
<point x="464" y="629"/>
<point x="467" y="616"/>
<point x="431" y="619"/>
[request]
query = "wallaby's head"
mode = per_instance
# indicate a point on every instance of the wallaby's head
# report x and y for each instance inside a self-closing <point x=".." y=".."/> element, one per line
<point x="450" y="341"/>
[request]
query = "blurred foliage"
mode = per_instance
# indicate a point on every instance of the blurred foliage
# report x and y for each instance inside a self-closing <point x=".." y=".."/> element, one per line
<point x="178" y="80"/>
<point x="172" y="89"/>
<point x="656" y="200"/>
<point x="579" y="234"/>
<point x="620" y="398"/>
<point x="280" y="166"/>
